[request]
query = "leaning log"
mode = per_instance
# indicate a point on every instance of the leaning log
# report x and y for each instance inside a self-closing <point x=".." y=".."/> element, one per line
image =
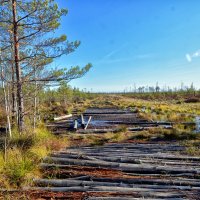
<point x="82" y="122"/>
<point x="88" y="122"/>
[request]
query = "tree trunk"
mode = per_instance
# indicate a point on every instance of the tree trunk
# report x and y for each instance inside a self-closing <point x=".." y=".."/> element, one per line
<point x="35" y="102"/>
<point x="18" y="72"/>
<point x="6" y="103"/>
<point x="13" y="96"/>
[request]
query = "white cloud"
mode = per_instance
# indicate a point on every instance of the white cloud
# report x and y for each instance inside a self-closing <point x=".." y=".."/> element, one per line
<point x="196" y="54"/>
<point x="193" y="55"/>
<point x="188" y="57"/>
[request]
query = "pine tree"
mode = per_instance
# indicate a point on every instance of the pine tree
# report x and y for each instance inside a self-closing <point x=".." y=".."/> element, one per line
<point x="27" y="28"/>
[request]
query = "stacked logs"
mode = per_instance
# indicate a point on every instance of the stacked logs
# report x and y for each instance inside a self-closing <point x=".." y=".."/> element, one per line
<point x="135" y="171"/>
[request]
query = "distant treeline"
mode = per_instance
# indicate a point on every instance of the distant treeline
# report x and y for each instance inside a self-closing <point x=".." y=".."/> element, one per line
<point x="158" y="93"/>
<point x="153" y="89"/>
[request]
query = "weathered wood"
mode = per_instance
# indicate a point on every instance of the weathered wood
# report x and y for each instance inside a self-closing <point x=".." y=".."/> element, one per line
<point x="82" y="122"/>
<point x="62" y="117"/>
<point x="110" y="198"/>
<point x="75" y="124"/>
<point x="130" y="198"/>
<point x="151" y="123"/>
<point x="106" y="130"/>
<point x="122" y="183"/>
<point x="151" y="181"/>
<point x="144" y="170"/>
<point x="121" y="159"/>
<point x="95" y="131"/>
<point x="88" y="122"/>
<point x="82" y="178"/>
<point x="70" y="161"/>
<point x="163" y="156"/>
<point x="107" y="113"/>
<point x="59" y="189"/>
<point x="197" y="121"/>
<point x="143" y="191"/>
<point x="122" y="166"/>
<point x="110" y="159"/>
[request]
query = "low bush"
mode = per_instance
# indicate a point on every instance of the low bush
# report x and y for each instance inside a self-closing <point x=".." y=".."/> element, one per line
<point x="192" y="100"/>
<point x="179" y="135"/>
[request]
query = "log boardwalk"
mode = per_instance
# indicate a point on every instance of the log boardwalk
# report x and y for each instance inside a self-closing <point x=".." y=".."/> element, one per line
<point x="120" y="171"/>
<point x="103" y="120"/>
<point x="123" y="171"/>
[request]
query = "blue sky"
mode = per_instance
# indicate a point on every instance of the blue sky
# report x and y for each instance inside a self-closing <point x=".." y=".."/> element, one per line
<point x="133" y="42"/>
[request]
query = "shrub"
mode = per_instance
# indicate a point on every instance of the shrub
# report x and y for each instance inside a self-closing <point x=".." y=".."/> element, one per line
<point x="17" y="166"/>
<point x="192" y="100"/>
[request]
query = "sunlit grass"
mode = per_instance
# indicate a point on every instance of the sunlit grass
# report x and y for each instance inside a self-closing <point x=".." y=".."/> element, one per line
<point x="23" y="155"/>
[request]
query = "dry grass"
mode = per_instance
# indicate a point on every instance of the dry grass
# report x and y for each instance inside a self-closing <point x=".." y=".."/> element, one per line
<point x="23" y="155"/>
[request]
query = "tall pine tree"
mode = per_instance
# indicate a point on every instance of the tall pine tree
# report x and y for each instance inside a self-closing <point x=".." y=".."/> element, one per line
<point x="27" y="29"/>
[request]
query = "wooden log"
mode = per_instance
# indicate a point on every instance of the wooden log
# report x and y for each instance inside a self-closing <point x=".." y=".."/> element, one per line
<point x="76" y="183"/>
<point x="67" y="155"/>
<point x="70" y="161"/>
<point x="75" y="124"/>
<point x="82" y="122"/>
<point x="147" y="155"/>
<point x="107" y="113"/>
<point x="110" y="159"/>
<point x="154" y="124"/>
<point x="135" y="147"/>
<point x="85" y="178"/>
<point x="111" y="198"/>
<point x="144" y="192"/>
<point x="122" y="166"/>
<point x="140" y="147"/>
<point x="113" y="182"/>
<point x="59" y="189"/>
<point x="73" y="183"/>
<point x="124" y="159"/>
<point x="95" y="131"/>
<point x="106" y="130"/>
<point x="88" y="122"/>
<point x="62" y="117"/>
<point x="151" y="181"/>
<point x="129" y="198"/>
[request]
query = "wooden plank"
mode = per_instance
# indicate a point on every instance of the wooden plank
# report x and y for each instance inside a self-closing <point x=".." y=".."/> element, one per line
<point x="82" y="122"/>
<point x="88" y="122"/>
<point x="62" y="117"/>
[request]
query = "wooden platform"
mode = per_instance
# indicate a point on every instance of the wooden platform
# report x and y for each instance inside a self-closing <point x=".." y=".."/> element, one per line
<point x="123" y="171"/>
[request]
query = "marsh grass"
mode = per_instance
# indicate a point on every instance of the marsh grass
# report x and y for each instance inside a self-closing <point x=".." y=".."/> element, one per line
<point x="23" y="155"/>
<point x="193" y="151"/>
<point x="192" y="147"/>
